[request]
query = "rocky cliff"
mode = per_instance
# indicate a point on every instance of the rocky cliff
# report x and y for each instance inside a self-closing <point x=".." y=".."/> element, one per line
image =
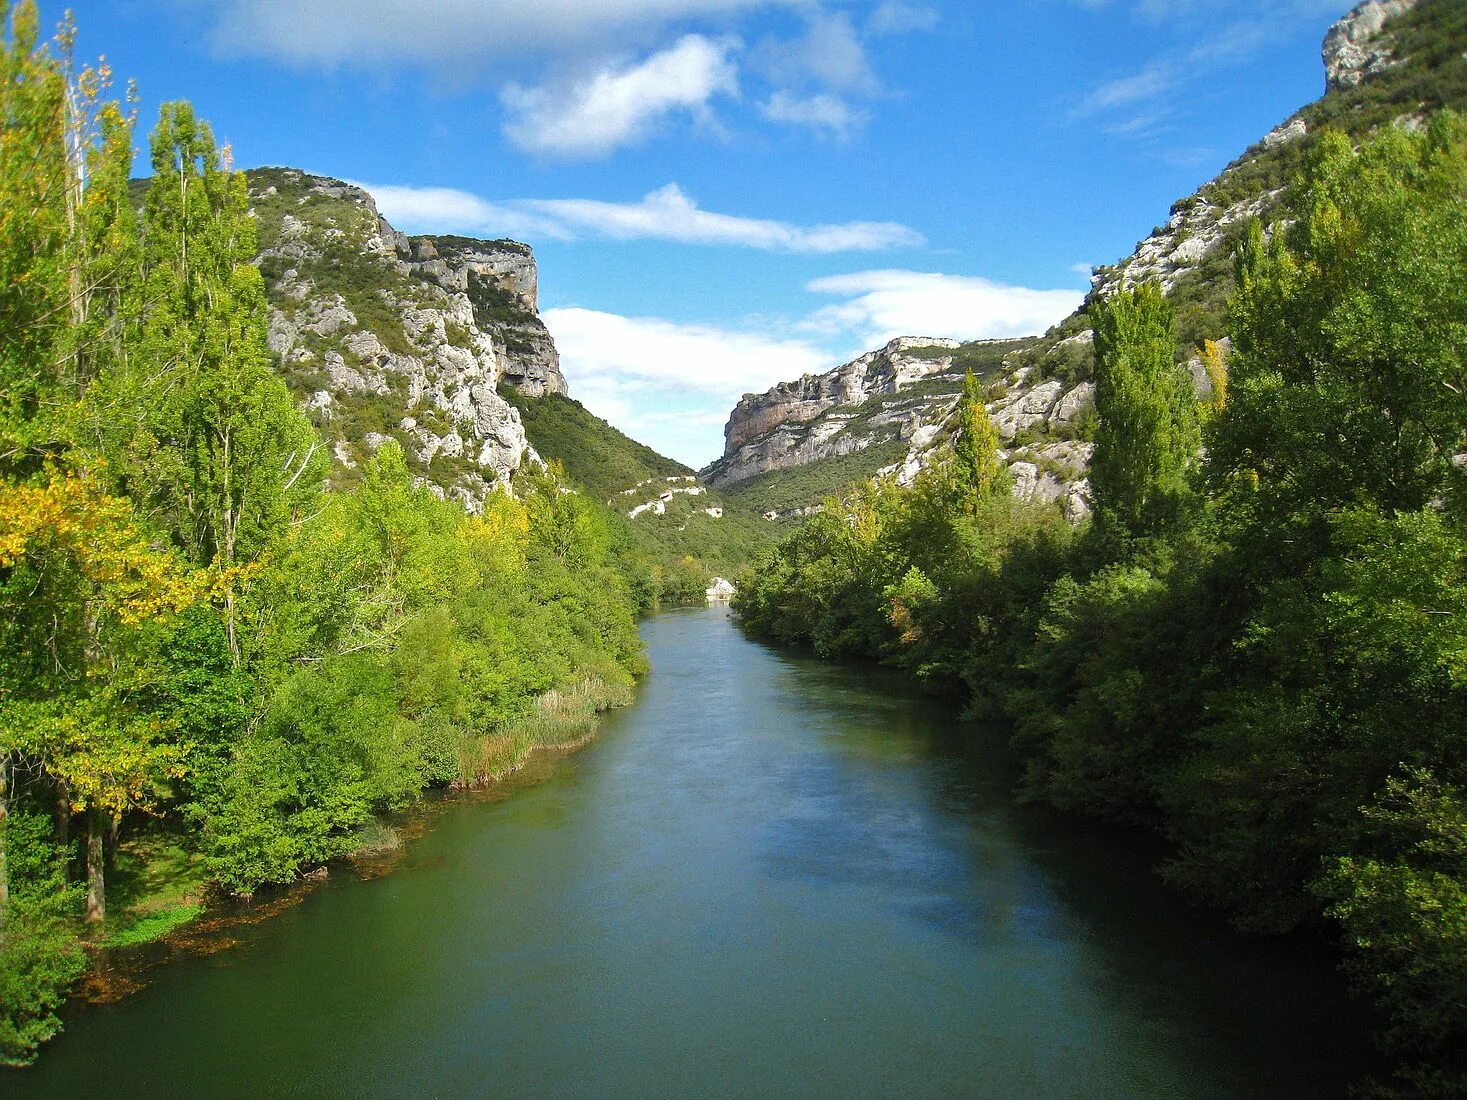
<point x="842" y="411"/>
<point x="384" y="336"/>
<point x="1386" y="61"/>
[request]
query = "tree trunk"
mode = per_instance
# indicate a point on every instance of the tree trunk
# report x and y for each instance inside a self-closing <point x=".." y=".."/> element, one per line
<point x="96" y="876"/>
<point x="4" y="810"/>
<point x="114" y="829"/>
<point x="61" y="812"/>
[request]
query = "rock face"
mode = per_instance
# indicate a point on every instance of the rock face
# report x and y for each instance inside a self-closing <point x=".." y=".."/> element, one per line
<point x="501" y="282"/>
<point x="826" y="415"/>
<point x="1352" y="48"/>
<point x="384" y="336"/>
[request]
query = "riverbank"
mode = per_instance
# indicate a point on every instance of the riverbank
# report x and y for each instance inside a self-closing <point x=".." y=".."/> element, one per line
<point x="168" y="910"/>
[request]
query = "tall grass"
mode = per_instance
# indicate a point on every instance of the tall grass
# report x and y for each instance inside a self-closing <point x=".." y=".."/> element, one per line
<point x="560" y="717"/>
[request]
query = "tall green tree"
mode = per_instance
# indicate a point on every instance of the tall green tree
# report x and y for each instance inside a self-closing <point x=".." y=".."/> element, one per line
<point x="1349" y="374"/>
<point x="1148" y="436"/>
<point x="211" y="443"/>
<point x="979" y="473"/>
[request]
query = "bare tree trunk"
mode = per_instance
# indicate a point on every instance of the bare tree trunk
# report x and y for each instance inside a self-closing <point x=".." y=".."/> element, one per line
<point x="96" y="875"/>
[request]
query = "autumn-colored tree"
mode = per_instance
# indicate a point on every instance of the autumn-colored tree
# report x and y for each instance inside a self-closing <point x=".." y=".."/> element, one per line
<point x="82" y="585"/>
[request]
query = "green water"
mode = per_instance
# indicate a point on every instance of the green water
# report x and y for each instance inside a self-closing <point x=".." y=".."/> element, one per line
<point x="770" y="877"/>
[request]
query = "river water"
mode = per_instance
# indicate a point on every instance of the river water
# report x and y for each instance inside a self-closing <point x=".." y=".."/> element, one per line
<point x="769" y="877"/>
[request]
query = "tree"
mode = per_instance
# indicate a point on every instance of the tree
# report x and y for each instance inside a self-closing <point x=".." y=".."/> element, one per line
<point x="65" y="233"/>
<point x="1349" y="368"/>
<point x="979" y="472"/>
<point x="211" y="443"/>
<point x="1148" y="437"/>
<point x="90" y="585"/>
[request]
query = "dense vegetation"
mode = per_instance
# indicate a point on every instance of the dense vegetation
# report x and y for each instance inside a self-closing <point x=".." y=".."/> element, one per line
<point x="676" y="553"/>
<point x="1258" y="645"/>
<point x="208" y="663"/>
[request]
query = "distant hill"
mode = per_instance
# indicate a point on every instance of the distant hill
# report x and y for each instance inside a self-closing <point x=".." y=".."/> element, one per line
<point x="665" y="511"/>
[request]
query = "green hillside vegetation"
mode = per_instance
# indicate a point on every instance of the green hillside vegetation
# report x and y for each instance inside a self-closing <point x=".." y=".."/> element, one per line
<point x="683" y="549"/>
<point x="796" y="487"/>
<point x="595" y="455"/>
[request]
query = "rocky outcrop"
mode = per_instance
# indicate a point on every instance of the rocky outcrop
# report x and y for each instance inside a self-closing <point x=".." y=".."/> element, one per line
<point x="886" y="370"/>
<point x="500" y="280"/>
<point x="383" y="336"/>
<point x="1353" y="50"/>
<point x="828" y="415"/>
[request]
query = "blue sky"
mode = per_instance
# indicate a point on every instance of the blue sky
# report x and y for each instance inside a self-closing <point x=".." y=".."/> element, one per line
<point x="727" y="193"/>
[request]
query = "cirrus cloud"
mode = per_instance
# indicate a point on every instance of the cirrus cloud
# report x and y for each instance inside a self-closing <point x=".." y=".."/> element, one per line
<point x="667" y="214"/>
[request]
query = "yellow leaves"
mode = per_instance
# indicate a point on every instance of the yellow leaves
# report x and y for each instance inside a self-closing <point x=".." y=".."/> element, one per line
<point x="72" y="517"/>
<point x="1215" y="363"/>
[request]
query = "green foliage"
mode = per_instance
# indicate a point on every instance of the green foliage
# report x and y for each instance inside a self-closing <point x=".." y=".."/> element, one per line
<point x="1147" y="438"/>
<point x="1403" y="904"/>
<point x="978" y="471"/>
<point x="39" y="955"/>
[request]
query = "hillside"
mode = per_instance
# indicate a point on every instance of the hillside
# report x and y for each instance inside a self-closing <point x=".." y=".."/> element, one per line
<point x="1387" y="62"/>
<point x="436" y="342"/>
<point x="383" y="336"/>
<point x="659" y="504"/>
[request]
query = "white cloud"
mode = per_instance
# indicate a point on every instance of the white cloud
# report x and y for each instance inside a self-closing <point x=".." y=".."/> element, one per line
<point x="819" y="112"/>
<point x="882" y="305"/>
<point x="1154" y="80"/>
<point x="445" y="210"/>
<point x="451" y="34"/>
<point x="596" y="114"/>
<point x="667" y="214"/>
<point x="829" y="54"/>
<point x="671" y="385"/>
<point x="902" y="16"/>
<point x="1215" y="35"/>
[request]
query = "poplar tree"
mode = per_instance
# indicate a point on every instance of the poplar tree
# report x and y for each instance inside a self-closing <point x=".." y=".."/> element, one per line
<point x="1148" y="436"/>
<point x="212" y="445"/>
<point x="35" y="180"/>
<point x="980" y="473"/>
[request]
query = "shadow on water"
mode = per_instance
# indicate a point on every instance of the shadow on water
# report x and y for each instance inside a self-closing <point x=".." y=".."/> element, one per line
<point x="920" y="804"/>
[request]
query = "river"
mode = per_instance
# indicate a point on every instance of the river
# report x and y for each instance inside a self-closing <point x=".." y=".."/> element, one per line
<point x="768" y="877"/>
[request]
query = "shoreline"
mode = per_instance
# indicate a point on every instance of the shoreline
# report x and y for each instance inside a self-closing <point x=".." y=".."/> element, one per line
<point x="115" y="974"/>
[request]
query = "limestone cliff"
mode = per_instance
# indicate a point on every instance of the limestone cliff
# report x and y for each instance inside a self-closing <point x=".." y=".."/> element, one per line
<point x="386" y="336"/>
<point x="821" y="415"/>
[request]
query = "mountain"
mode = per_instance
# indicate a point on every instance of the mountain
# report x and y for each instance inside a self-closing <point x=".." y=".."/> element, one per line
<point x="382" y="335"/>
<point x="1387" y="61"/>
<point x="437" y="342"/>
